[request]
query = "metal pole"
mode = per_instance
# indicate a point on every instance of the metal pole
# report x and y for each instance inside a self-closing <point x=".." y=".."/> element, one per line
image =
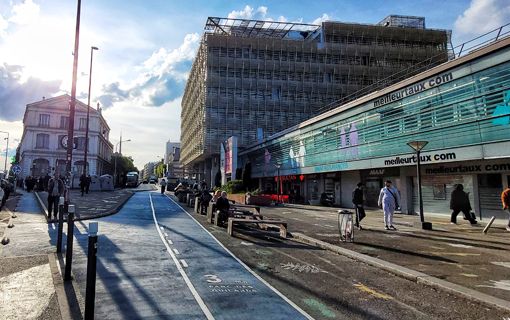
<point x="420" y="198"/>
<point x="90" y="291"/>
<point x="279" y="184"/>
<point x="72" y="104"/>
<point x="88" y="114"/>
<point x="61" y="207"/>
<point x="69" y="248"/>
<point x="6" y="153"/>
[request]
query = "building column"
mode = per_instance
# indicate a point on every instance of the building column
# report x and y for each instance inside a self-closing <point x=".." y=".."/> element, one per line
<point x="215" y="166"/>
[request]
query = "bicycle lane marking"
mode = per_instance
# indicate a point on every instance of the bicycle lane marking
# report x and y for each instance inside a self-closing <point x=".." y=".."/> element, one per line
<point x="194" y="292"/>
<point x="216" y="272"/>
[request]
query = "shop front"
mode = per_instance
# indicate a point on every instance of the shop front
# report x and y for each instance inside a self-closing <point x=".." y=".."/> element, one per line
<point x="373" y="181"/>
<point x="482" y="180"/>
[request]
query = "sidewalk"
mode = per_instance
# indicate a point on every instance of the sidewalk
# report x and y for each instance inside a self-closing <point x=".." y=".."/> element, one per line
<point x="29" y="277"/>
<point x="460" y="254"/>
<point x="95" y="204"/>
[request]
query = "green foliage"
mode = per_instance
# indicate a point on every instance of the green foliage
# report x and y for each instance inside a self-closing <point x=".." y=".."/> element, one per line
<point x="234" y="186"/>
<point x="256" y="192"/>
<point x="160" y="170"/>
<point x="124" y="164"/>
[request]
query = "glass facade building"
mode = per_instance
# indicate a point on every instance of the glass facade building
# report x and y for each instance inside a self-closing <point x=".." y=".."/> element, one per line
<point x="462" y="108"/>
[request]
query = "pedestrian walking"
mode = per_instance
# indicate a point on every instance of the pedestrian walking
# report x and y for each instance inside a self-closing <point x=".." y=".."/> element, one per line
<point x="83" y="182"/>
<point x="163" y="186"/>
<point x="505" y="199"/>
<point x="389" y="201"/>
<point x="7" y="187"/>
<point x="357" y="200"/>
<point x="88" y="181"/>
<point x="459" y="202"/>
<point x="55" y="190"/>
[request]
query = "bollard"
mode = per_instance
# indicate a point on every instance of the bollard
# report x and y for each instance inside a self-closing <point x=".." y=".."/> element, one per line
<point x="488" y="225"/>
<point x="69" y="247"/>
<point x="60" y="223"/>
<point x="90" y="291"/>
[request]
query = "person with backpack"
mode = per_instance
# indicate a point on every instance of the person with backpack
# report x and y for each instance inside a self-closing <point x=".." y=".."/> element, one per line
<point x="357" y="200"/>
<point x="7" y="187"/>
<point x="505" y="200"/>
<point x="389" y="201"/>
<point x="459" y="201"/>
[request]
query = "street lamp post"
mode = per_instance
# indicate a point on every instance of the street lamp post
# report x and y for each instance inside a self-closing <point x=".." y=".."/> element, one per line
<point x="88" y="114"/>
<point x="6" y="151"/>
<point x="418" y="146"/>
<point x="115" y="162"/>
<point x="72" y="103"/>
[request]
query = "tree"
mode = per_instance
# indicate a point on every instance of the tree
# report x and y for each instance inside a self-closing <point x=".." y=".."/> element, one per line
<point x="124" y="165"/>
<point x="160" y="170"/>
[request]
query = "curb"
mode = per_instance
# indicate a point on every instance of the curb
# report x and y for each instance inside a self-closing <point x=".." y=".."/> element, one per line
<point x="416" y="276"/>
<point x="41" y="204"/>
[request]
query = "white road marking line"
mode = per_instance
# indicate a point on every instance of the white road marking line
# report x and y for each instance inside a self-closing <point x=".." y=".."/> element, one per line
<point x="194" y="292"/>
<point x="306" y="315"/>
<point x="170" y="241"/>
<point x="184" y="263"/>
<point x="246" y="243"/>
<point x="176" y="251"/>
<point x="166" y="234"/>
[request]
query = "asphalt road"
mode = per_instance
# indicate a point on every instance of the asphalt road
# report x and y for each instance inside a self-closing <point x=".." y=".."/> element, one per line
<point x="155" y="261"/>
<point x="460" y="254"/>
<point x="330" y="286"/>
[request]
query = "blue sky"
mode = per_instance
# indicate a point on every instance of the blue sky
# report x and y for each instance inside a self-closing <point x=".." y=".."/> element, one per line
<point x="146" y="48"/>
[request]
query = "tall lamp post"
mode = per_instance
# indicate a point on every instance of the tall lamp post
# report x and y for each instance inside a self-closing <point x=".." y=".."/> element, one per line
<point x="72" y="103"/>
<point x="88" y="114"/>
<point x="279" y="182"/>
<point x="418" y="146"/>
<point x="6" y="151"/>
<point x="115" y="162"/>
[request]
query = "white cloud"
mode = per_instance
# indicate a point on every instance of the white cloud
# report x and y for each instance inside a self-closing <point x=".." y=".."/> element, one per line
<point x="3" y="26"/>
<point x="249" y="13"/>
<point x="482" y="16"/>
<point x="25" y="12"/>
<point x="162" y="77"/>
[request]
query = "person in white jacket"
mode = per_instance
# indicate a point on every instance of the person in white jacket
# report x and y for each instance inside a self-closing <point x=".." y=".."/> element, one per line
<point x="389" y="200"/>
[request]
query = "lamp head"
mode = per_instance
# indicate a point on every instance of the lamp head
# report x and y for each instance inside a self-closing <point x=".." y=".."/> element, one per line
<point x="417" y="145"/>
<point x="94" y="48"/>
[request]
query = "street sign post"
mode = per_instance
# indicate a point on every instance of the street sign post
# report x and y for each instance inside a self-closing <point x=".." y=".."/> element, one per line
<point x="16" y="169"/>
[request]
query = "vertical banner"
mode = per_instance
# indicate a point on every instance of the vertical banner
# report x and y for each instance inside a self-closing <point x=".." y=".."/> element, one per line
<point x="229" y="163"/>
<point x="222" y="163"/>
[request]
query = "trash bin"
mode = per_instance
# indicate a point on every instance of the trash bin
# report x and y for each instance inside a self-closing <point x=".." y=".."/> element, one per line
<point x="346" y="225"/>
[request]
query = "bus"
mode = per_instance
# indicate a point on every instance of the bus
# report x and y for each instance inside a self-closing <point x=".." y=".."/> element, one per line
<point x="132" y="179"/>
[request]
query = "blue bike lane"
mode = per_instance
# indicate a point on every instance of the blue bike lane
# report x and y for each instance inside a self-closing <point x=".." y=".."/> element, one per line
<point x="156" y="261"/>
<point x="223" y="286"/>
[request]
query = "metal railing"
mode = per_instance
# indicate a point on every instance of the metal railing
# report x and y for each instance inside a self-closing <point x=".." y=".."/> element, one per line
<point x="455" y="53"/>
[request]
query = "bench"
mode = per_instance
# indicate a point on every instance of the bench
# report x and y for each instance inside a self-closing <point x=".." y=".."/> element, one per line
<point x="278" y="223"/>
<point x="247" y="206"/>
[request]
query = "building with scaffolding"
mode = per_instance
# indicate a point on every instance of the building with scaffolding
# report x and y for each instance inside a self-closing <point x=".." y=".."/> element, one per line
<point x="251" y="79"/>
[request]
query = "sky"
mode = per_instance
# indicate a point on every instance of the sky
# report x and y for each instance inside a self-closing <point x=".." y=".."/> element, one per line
<point x="147" y="47"/>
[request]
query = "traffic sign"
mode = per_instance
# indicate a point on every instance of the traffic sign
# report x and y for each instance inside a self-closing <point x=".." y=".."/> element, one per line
<point x="16" y="169"/>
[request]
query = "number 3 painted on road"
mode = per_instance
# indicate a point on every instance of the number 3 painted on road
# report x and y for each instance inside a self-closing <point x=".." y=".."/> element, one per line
<point x="212" y="278"/>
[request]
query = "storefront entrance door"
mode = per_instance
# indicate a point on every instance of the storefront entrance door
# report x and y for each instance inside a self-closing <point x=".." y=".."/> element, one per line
<point x="372" y="189"/>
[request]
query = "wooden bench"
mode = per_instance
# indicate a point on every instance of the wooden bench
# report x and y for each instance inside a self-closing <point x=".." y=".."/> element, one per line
<point x="278" y="223"/>
<point x="255" y="209"/>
